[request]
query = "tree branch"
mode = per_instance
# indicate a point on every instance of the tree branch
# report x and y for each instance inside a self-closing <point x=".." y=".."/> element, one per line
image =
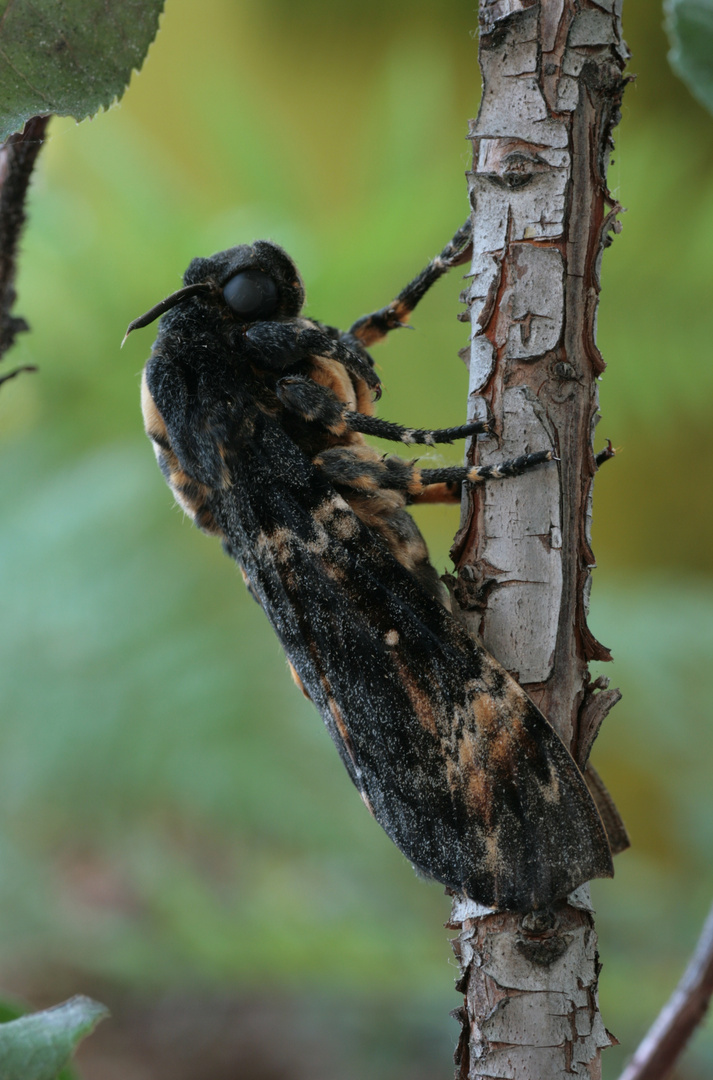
<point x="552" y="75"/>
<point x="17" y="160"/>
<point x="680" y="1016"/>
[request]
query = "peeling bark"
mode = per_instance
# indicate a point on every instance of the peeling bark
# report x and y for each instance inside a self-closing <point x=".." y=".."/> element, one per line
<point x="542" y="213"/>
<point x="530" y="1009"/>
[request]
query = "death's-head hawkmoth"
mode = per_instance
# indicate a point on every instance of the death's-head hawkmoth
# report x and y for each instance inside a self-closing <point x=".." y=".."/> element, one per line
<point x="257" y="416"/>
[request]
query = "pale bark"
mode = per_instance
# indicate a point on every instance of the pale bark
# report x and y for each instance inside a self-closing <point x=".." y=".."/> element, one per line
<point x="552" y="73"/>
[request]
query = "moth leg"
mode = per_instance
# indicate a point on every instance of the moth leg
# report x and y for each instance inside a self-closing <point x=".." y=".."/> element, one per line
<point x="280" y="346"/>
<point x="389" y="478"/>
<point x="477" y="474"/>
<point x="439" y="493"/>
<point x="439" y="487"/>
<point x="444" y="485"/>
<point x="363" y="469"/>
<point x="605" y="455"/>
<point x="319" y="404"/>
<point x="313" y="402"/>
<point x="377" y="489"/>
<point x="360" y="468"/>
<point x="385" y="429"/>
<point x="370" y="329"/>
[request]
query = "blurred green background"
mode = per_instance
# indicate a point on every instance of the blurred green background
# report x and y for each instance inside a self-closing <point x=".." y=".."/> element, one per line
<point x="175" y="820"/>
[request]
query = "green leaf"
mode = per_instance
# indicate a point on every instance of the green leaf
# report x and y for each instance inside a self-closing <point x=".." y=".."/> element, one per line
<point x="12" y="1010"/>
<point x="37" y="1047"/>
<point x="690" y="30"/>
<point x="69" y="57"/>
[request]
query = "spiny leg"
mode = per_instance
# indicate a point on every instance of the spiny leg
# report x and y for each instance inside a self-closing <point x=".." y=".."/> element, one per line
<point x="386" y="429"/>
<point x="604" y="455"/>
<point x="477" y="474"/>
<point x="319" y="404"/>
<point x="362" y="469"/>
<point x="370" y="329"/>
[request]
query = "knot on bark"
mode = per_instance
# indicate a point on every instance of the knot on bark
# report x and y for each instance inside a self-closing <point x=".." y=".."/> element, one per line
<point x="539" y="940"/>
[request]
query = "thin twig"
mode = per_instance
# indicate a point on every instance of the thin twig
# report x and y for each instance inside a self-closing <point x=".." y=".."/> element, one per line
<point x="667" y="1037"/>
<point x="17" y="160"/>
<point x="17" y="371"/>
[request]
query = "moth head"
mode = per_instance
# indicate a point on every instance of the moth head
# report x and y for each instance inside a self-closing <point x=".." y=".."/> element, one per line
<point x="256" y="281"/>
<point x="251" y="282"/>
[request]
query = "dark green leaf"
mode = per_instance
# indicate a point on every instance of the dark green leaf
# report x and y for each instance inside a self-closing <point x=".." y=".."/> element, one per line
<point x="69" y="57"/>
<point x="690" y="29"/>
<point x="38" y="1047"/>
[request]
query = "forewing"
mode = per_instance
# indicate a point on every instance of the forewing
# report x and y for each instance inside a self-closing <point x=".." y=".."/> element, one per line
<point x="452" y="758"/>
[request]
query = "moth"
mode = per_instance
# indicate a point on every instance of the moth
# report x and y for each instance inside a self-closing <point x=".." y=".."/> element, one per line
<point x="257" y="416"/>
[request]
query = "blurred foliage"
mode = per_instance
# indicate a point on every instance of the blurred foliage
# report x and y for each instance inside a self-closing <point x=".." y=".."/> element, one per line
<point x="690" y="29"/>
<point x="173" y="811"/>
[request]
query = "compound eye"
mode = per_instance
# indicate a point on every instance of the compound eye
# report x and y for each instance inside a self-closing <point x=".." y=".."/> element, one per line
<point x="251" y="294"/>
